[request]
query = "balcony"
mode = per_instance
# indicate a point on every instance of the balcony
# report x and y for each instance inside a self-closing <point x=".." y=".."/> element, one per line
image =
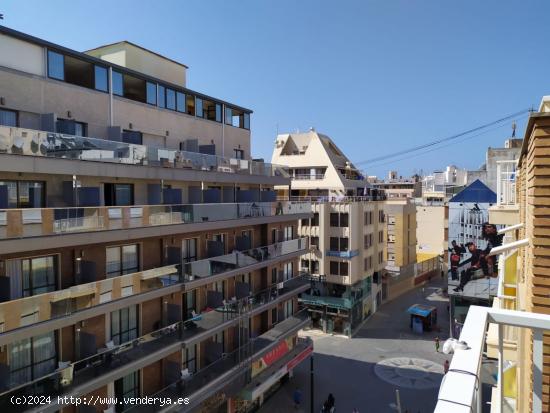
<point x="506" y="211"/>
<point x="326" y="301"/>
<point x="51" y="222"/>
<point x="29" y="142"/>
<point x="233" y="369"/>
<point x="342" y="254"/>
<point x="45" y="312"/>
<point x="307" y="177"/>
<point x="111" y="363"/>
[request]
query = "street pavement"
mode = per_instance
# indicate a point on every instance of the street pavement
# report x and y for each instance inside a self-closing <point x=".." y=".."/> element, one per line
<point x="384" y="355"/>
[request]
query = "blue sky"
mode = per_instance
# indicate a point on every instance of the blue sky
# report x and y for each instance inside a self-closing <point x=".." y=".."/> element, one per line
<point x="376" y="76"/>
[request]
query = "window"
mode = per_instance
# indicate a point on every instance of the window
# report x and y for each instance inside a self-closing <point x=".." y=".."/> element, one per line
<point x="287" y="271"/>
<point x="162" y="96"/>
<point x="101" y="78"/>
<point x="190" y="298"/>
<point x="70" y="127"/>
<point x="246" y="121"/>
<point x="380" y="237"/>
<point x="151" y="93"/>
<point x="170" y="99"/>
<point x="235" y="117"/>
<point x="125" y="388"/>
<point x="122" y="259"/>
<point x="32" y="358"/>
<point x="117" y="83"/>
<point x="380" y="257"/>
<point x="314" y="241"/>
<point x="315" y="267"/>
<point x="180" y="102"/>
<point x="381" y="216"/>
<point x="338" y="268"/>
<point x="339" y="220"/>
<point x="288" y="233"/>
<point x="334" y="244"/>
<point x="8" y="117"/>
<point x="124" y="325"/>
<point x="118" y="194"/>
<point x="288" y="308"/>
<point x="189" y="250"/>
<point x="368" y="263"/>
<point x="220" y="238"/>
<point x="25" y="194"/>
<point x="344" y="220"/>
<point x="315" y="220"/>
<point x="274" y="276"/>
<point x="198" y="107"/>
<point x="134" y="137"/>
<point x="368" y="217"/>
<point x="190" y="99"/>
<point x="273" y="235"/>
<point x="56" y="65"/>
<point x="367" y="241"/>
<point x="238" y="153"/>
<point x="190" y="362"/>
<point x="38" y="275"/>
<point x="304" y="222"/>
<point x="219" y="114"/>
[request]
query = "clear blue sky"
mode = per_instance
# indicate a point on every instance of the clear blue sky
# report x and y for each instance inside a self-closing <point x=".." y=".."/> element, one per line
<point x="377" y="76"/>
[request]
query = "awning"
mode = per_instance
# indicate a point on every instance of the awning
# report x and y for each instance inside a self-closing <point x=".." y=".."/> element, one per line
<point x="420" y="310"/>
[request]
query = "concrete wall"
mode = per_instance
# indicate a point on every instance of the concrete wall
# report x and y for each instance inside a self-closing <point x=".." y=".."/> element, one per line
<point x="430" y="230"/>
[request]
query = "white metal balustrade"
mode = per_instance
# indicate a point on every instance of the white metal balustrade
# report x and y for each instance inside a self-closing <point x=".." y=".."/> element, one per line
<point x="506" y="182"/>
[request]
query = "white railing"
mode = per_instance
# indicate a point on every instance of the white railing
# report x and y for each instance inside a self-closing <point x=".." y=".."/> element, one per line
<point x="506" y="182"/>
<point x="460" y="390"/>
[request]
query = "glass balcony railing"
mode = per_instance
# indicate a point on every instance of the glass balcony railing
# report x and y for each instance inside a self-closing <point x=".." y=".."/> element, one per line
<point x="239" y="259"/>
<point x="238" y="359"/>
<point x="70" y="376"/>
<point x="34" y="222"/>
<point x="342" y="254"/>
<point x="43" y="307"/>
<point x="19" y="141"/>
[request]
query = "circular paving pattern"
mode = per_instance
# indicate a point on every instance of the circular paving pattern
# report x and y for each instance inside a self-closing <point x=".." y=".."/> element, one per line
<point x="410" y="373"/>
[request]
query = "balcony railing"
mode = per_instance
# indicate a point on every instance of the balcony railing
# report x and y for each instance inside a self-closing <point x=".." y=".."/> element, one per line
<point x="42" y="307"/>
<point x="308" y="177"/>
<point x="342" y="254"/>
<point x="34" y="222"/>
<point x="72" y="377"/>
<point x="506" y="182"/>
<point x="461" y="389"/>
<point x="325" y="198"/>
<point x="230" y="367"/>
<point x="19" y="141"/>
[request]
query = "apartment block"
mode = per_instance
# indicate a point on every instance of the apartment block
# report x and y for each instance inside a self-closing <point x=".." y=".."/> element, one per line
<point x="346" y="233"/>
<point x="142" y="251"/>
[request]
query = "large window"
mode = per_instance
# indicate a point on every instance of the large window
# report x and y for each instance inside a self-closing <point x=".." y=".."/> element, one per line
<point x="208" y="110"/>
<point x="162" y="96"/>
<point x="339" y="220"/>
<point x="8" y="117"/>
<point x="70" y="127"/>
<point x="190" y="361"/>
<point x="237" y="118"/>
<point x="125" y="388"/>
<point x="339" y="244"/>
<point x="24" y="194"/>
<point x="289" y="233"/>
<point x="122" y="259"/>
<point x="170" y="99"/>
<point x="101" y="78"/>
<point x="287" y="271"/>
<point x="118" y="88"/>
<point x="124" y="325"/>
<point x="39" y="275"/>
<point x="56" y="65"/>
<point x="132" y="136"/>
<point x="32" y="358"/>
<point x="151" y="93"/>
<point x="180" y="102"/>
<point x="118" y="194"/>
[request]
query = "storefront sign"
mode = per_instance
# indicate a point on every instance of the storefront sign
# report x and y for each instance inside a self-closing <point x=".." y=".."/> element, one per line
<point x="299" y="358"/>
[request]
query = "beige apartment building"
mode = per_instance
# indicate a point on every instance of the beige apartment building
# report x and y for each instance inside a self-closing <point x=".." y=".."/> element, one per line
<point x="142" y="251"/>
<point x="346" y="233"/>
<point x="401" y="268"/>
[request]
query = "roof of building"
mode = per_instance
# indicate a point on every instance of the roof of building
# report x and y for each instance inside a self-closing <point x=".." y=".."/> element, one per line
<point x="477" y="191"/>
<point x="139" y="47"/>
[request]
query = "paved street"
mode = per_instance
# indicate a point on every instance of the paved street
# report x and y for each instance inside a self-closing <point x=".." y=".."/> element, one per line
<point x="348" y="367"/>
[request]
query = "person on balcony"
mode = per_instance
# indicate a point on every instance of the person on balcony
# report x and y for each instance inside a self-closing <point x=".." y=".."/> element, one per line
<point x="456" y="253"/>
<point x="477" y="262"/>
<point x="490" y="233"/>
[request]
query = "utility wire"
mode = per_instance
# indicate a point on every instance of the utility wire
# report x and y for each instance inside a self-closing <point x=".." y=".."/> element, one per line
<point x="447" y="139"/>
<point x="379" y="163"/>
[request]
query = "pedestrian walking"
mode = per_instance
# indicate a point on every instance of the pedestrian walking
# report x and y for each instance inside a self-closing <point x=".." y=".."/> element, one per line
<point x="446" y="366"/>
<point x="437" y="344"/>
<point x="297" y="397"/>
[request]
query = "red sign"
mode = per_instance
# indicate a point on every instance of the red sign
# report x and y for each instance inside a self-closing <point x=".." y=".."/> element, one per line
<point x="276" y="353"/>
<point x="299" y="358"/>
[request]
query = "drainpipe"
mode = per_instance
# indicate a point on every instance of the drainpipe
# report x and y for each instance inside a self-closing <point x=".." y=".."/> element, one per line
<point x="110" y="96"/>
<point x="223" y="130"/>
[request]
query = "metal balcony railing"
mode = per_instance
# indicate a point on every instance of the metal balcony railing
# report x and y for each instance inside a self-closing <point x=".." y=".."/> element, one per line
<point x="73" y="377"/>
<point x="34" y="222"/>
<point x="348" y="254"/>
<point x="19" y="141"/>
<point x="506" y="182"/>
<point x="21" y="312"/>
<point x="308" y="177"/>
